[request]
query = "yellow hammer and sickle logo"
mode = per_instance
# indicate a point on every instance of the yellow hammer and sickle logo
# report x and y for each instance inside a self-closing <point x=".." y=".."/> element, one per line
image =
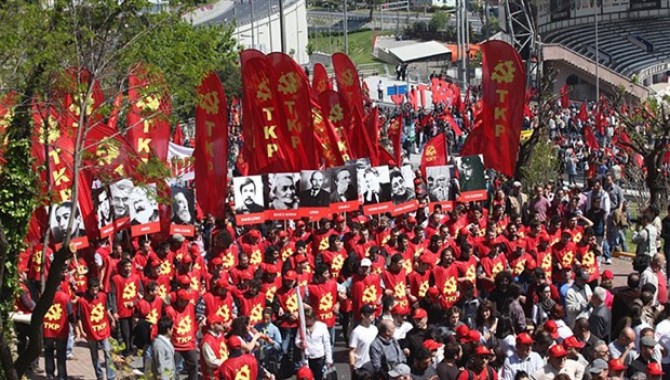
<point x="292" y="303"/>
<point x="256" y="313"/>
<point x="53" y="133"/>
<point x="129" y="291"/>
<point x="348" y="77"/>
<point x="264" y="92"/>
<point x="577" y="238"/>
<point x="162" y="290"/>
<point x="286" y="254"/>
<point x="430" y="153"/>
<point x="369" y="294"/>
<point x="152" y="317"/>
<point x="503" y="72"/>
<point x="518" y="268"/>
<point x="270" y="293"/>
<point x="165" y="268"/>
<point x="546" y="262"/>
<point x="450" y="286"/>
<point x="470" y="273"/>
<point x="97" y="313"/>
<point x="567" y="259"/>
<point x="326" y="303"/>
<point x="149" y="103"/>
<point x="399" y="290"/>
<point x="256" y="257"/>
<point x="54" y="313"/>
<point x="497" y="268"/>
<point x="243" y="373"/>
<point x="323" y="245"/>
<point x="336" y="114"/>
<point x="7" y="118"/>
<point x="338" y="262"/>
<point x="209" y="102"/>
<point x="288" y="83"/>
<point x="107" y="151"/>
<point x="184" y="326"/>
<point x="423" y="289"/>
<point x="407" y="265"/>
<point x="223" y="312"/>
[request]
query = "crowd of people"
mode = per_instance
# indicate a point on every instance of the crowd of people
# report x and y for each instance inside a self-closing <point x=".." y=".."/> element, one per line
<point x="514" y="287"/>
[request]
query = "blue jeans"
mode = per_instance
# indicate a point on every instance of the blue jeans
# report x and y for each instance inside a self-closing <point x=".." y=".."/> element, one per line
<point x="93" y="347"/>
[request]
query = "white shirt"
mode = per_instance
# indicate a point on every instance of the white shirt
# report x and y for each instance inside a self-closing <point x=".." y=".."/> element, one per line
<point x="401" y="332"/>
<point x="361" y="340"/>
<point x="662" y="336"/>
<point x="577" y="303"/>
<point x="514" y="364"/>
<point x="318" y="342"/>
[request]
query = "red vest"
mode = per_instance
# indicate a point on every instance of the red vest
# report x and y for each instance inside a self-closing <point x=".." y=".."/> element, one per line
<point x="94" y="319"/>
<point x="589" y="261"/>
<point x="398" y="283"/>
<point x="221" y="306"/>
<point x="216" y="343"/>
<point x="446" y="280"/>
<point x="55" y="323"/>
<point x="127" y="292"/>
<point x="491" y="267"/>
<point x="323" y="298"/>
<point x="419" y="283"/>
<point x="365" y="291"/>
<point x="288" y="301"/>
<point x="151" y="312"/>
<point x="252" y="306"/>
<point x="185" y="327"/>
<point x="243" y="367"/>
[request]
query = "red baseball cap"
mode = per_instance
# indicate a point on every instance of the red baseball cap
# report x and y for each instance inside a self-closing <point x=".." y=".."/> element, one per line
<point x="432" y="345"/>
<point x="304" y="373"/>
<point x="290" y="275"/>
<point x="427" y="258"/>
<point x="616" y="365"/>
<point x="552" y="328"/>
<point x="217" y="261"/>
<point x="483" y="350"/>
<point x="300" y="223"/>
<point x="462" y="331"/>
<point x="234" y="342"/>
<point x="182" y="294"/>
<point x="399" y="310"/>
<point x="474" y="336"/>
<point x="300" y="258"/>
<point x="433" y="292"/>
<point x="607" y="275"/>
<point x="572" y="342"/>
<point x="184" y="279"/>
<point x="557" y="351"/>
<point x="282" y="234"/>
<point x="339" y="219"/>
<point x="524" y="338"/>
<point x="654" y="369"/>
<point x="214" y="319"/>
<point x="222" y="283"/>
<point x="419" y="313"/>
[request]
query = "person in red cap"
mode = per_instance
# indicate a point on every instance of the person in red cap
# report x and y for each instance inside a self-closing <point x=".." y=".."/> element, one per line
<point x="415" y="337"/>
<point x="616" y="369"/>
<point x="239" y="365"/>
<point x="365" y="289"/>
<point x="218" y="301"/>
<point x="125" y="290"/>
<point x="149" y="309"/>
<point x="394" y="279"/>
<point x="182" y="313"/>
<point x="564" y="251"/>
<point x="304" y="373"/>
<point x="419" y="280"/>
<point x="213" y="349"/>
<point x="286" y="298"/>
<point x="243" y="269"/>
<point x="654" y="371"/>
<point x="558" y="362"/>
<point x="524" y="359"/>
<point x="573" y="346"/>
<point x="478" y="366"/>
<point x="252" y="245"/>
<point x="402" y="326"/>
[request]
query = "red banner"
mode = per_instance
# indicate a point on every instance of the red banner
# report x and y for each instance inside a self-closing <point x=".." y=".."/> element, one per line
<point x="320" y="80"/>
<point x="110" y="156"/>
<point x="262" y="114"/>
<point x="359" y="141"/>
<point x="329" y="148"/>
<point x="583" y="113"/>
<point x="293" y="90"/>
<point x="434" y="153"/>
<point x="211" y="146"/>
<point x="372" y="128"/>
<point x="565" y="100"/>
<point x="76" y="91"/>
<point x="503" y="88"/>
<point x="348" y="83"/>
<point x="591" y="140"/>
<point x="395" y="135"/>
<point x="149" y="115"/>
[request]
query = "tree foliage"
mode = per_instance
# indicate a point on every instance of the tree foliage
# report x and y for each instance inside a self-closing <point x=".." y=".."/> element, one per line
<point x="106" y="37"/>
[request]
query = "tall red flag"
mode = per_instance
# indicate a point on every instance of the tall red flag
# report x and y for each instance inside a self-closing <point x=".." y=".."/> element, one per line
<point x="348" y="82"/>
<point x="178" y="136"/>
<point x="565" y="100"/>
<point x="328" y="146"/>
<point x="211" y="149"/>
<point x="337" y="112"/>
<point x="293" y="91"/>
<point x="320" y="81"/>
<point x="395" y="135"/>
<point x="591" y="140"/>
<point x="372" y="128"/>
<point x="263" y="116"/>
<point x="583" y="114"/>
<point x="149" y="114"/>
<point x="503" y="88"/>
<point x="434" y="153"/>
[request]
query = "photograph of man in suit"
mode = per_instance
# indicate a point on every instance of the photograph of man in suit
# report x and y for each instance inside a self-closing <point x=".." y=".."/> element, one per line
<point x="438" y="190"/>
<point x="471" y="173"/>
<point x="344" y="189"/>
<point x="315" y="195"/>
<point x="282" y="192"/>
<point x="374" y="191"/>
<point x="247" y="204"/>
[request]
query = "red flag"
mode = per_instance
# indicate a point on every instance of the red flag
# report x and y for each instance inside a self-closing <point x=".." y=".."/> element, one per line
<point x="74" y="85"/>
<point x="149" y="114"/>
<point x="360" y="143"/>
<point x="293" y="91"/>
<point x="395" y="135"/>
<point x="565" y="100"/>
<point x="337" y="113"/>
<point x="348" y="83"/>
<point x="600" y="122"/>
<point x="328" y="146"/>
<point x="178" y="136"/>
<point x="320" y="81"/>
<point x="110" y="155"/>
<point x="591" y="140"/>
<point x="411" y="98"/>
<point x="583" y="115"/>
<point x="503" y="88"/>
<point x="211" y="149"/>
<point x="624" y="108"/>
<point x="372" y="129"/>
<point x="446" y="116"/>
<point x="397" y="99"/>
<point x="434" y="153"/>
<point x="263" y="116"/>
<point x="422" y="94"/>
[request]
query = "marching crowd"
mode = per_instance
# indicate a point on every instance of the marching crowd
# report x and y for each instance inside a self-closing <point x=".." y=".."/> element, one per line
<point x="514" y="287"/>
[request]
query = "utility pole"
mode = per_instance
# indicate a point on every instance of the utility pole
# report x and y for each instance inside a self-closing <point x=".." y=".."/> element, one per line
<point x="597" y="10"/>
<point x="270" y="23"/>
<point x="346" y="29"/>
<point x="253" y="38"/>
<point x="282" y="32"/>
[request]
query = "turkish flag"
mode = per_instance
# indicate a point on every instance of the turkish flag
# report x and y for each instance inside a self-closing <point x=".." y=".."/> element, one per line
<point x="503" y="97"/>
<point x="320" y="81"/>
<point x="293" y="90"/>
<point x="591" y="140"/>
<point x="211" y="149"/>
<point x="583" y="114"/>
<point x="148" y="128"/>
<point x="565" y="100"/>
<point x="434" y="153"/>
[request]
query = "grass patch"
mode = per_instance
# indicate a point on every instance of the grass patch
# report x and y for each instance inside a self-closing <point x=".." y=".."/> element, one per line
<point x="360" y="45"/>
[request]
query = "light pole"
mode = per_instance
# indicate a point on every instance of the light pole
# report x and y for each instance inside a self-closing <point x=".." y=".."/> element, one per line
<point x="253" y="39"/>
<point x="282" y="32"/>
<point x="597" y="10"/>
<point x="346" y="29"/>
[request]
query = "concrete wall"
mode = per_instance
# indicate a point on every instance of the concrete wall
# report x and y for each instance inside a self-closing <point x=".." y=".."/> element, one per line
<point x="267" y="35"/>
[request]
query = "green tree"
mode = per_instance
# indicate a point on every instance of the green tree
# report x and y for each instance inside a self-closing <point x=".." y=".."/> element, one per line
<point x="37" y="43"/>
<point x="439" y="21"/>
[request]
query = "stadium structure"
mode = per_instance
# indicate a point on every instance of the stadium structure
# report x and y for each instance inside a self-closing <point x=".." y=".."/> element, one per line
<point x="257" y="24"/>
<point x="627" y="38"/>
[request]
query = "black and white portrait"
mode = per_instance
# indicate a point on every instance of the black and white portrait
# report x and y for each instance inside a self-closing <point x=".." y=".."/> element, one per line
<point x="314" y="188"/>
<point x="375" y="185"/>
<point x="248" y="194"/>
<point x="143" y="205"/>
<point x="103" y="206"/>
<point x="283" y="193"/>
<point x="60" y="217"/>
<point x="345" y="188"/>
<point x="402" y="185"/>
<point x="471" y="173"/>
<point x="183" y="205"/>
<point x="120" y="192"/>
<point x="438" y="179"/>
